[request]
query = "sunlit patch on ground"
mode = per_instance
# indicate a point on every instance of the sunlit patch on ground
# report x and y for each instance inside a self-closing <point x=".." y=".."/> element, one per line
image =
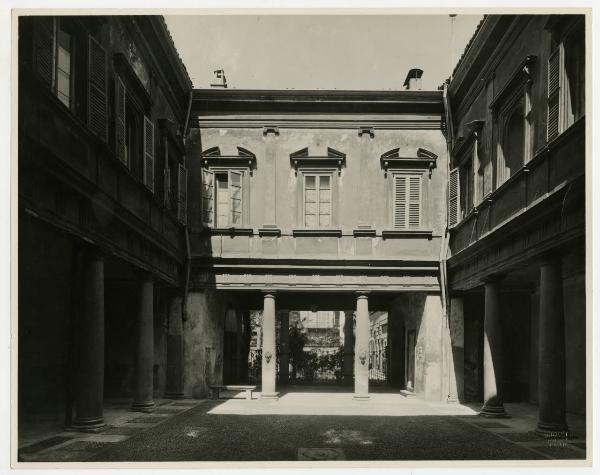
<point x="333" y="436"/>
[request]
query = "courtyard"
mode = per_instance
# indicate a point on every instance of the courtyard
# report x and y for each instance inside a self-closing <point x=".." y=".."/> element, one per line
<point x="307" y="424"/>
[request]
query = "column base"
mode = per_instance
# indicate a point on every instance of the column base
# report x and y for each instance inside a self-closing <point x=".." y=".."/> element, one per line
<point x="88" y="424"/>
<point x="493" y="412"/>
<point x="274" y="395"/>
<point x="552" y="431"/>
<point x="147" y="406"/>
<point x="361" y="397"/>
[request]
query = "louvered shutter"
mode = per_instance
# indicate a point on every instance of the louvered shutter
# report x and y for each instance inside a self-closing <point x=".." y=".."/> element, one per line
<point x="97" y="109"/>
<point x="400" y="201"/>
<point x="120" y="97"/>
<point x="553" y="114"/>
<point x="208" y="197"/>
<point x="44" y="48"/>
<point x="235" y="196"/>
<point x="414" y="202"/>
<point x="453" y="197"/>
<point x="182" y="194"/>
<point x="148" y="153"/>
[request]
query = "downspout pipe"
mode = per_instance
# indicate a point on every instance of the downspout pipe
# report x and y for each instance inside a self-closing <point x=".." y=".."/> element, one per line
<point x="445" y="239"/>
<point x="188" y="250"/>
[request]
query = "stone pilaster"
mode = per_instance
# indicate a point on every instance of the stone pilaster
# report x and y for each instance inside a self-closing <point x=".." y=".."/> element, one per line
<point x="144" y="350"/>
<point x="174" y="389"/>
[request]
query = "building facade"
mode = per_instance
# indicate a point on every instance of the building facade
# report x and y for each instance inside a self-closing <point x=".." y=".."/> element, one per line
<point x="156" y="221"/>
<point x="516" y="261"/>
<point x="316" y="200"/>
<point x="102" y="247"/>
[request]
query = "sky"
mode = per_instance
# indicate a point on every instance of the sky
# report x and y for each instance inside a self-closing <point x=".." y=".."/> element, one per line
<point x="319" y="51"/>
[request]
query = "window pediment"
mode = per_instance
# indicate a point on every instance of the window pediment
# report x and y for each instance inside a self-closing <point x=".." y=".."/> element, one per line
<point x="333" y="159"/>
<point x="212" y="157"/>
<point x="423" y="159"/>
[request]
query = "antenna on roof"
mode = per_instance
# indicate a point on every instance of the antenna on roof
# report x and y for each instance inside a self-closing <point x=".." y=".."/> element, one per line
<point x="452" y="18"/>
<point x="220" y="77"/>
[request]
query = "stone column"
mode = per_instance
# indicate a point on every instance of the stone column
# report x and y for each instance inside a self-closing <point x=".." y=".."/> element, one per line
<point x="492" y="352"/>
<point x="361" y="348"/>
<point x="174" y="389"/>
<point x="348" y="346"/>
<point x="551" y="382"/>
<point x="269" y="365"/>
<point x="90" y="368"/>
<point x="284" y="345"/>
<point x="144" y="349"/>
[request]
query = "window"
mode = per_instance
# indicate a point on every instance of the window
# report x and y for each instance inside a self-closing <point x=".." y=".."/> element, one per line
<point x="134" y="134"/>
<point x="466" y="187"/>
<point x="407" y="201"/>
<point x="565" y="78"/>
<point x="223" y="198"/>
<point x="317" y="201"/>
<point x="513" y="144"/>
<point x="64" y="66"/>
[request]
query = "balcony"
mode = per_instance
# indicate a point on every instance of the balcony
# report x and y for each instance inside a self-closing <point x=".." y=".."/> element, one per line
<point x="552" y="169"/>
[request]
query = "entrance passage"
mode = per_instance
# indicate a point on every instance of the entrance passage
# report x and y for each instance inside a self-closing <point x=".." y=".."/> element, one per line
<point x="317" y="347"/>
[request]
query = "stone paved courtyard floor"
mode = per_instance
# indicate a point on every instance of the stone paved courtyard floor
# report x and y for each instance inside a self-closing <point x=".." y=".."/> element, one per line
<point x="313" y="425"/>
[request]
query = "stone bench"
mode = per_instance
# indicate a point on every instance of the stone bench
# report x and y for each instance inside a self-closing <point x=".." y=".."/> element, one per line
<point x="229" y="387"/>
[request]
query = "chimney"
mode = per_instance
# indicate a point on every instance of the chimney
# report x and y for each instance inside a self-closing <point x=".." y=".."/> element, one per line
<point x="220" y="77"/>
<point x="413" y="80"/>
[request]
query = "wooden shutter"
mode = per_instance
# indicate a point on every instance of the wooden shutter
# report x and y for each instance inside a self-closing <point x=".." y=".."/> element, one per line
<point x="235" y="197"/>
<point x="148" y="153"/>
<point x="45" y="48"/>
<point x="120" y="98"/>
<point x="553" y="113"/>
<point x="453" y="197"/>
<point x="208" y="197"/>
<point x="182" y="194"/>
<point x="414" y="202"/>
<point x="97" y="109"/>
<point x="400" y="199"/>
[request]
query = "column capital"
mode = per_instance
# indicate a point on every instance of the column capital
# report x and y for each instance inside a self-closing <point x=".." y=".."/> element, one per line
<point x="362" y="294"/>
<point x="269" y="293"/>
<point x="553" y="256"/>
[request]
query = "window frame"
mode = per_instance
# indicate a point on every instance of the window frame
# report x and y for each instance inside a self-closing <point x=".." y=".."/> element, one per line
<point x="320" y="171"/>
<point x="318" y="176"/>
<point x="244" y="196"/>
<point x="408" y="173"/>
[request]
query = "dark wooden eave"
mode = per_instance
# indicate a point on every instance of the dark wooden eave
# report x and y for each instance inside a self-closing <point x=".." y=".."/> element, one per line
<point x="210" y="101"/>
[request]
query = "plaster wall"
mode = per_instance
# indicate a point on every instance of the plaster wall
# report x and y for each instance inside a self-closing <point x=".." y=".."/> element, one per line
<point x="422" y="312"/>
<point x="204" y="341"/>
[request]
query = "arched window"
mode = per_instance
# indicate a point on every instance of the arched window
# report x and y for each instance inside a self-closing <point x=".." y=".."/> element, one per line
<point x="513" y="146"/>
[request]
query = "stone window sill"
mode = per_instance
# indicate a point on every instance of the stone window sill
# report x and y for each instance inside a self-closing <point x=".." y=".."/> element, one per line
<point x="317" y="232"/>
<point x="232" y="231"/>
<point x="401" y="233"/>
